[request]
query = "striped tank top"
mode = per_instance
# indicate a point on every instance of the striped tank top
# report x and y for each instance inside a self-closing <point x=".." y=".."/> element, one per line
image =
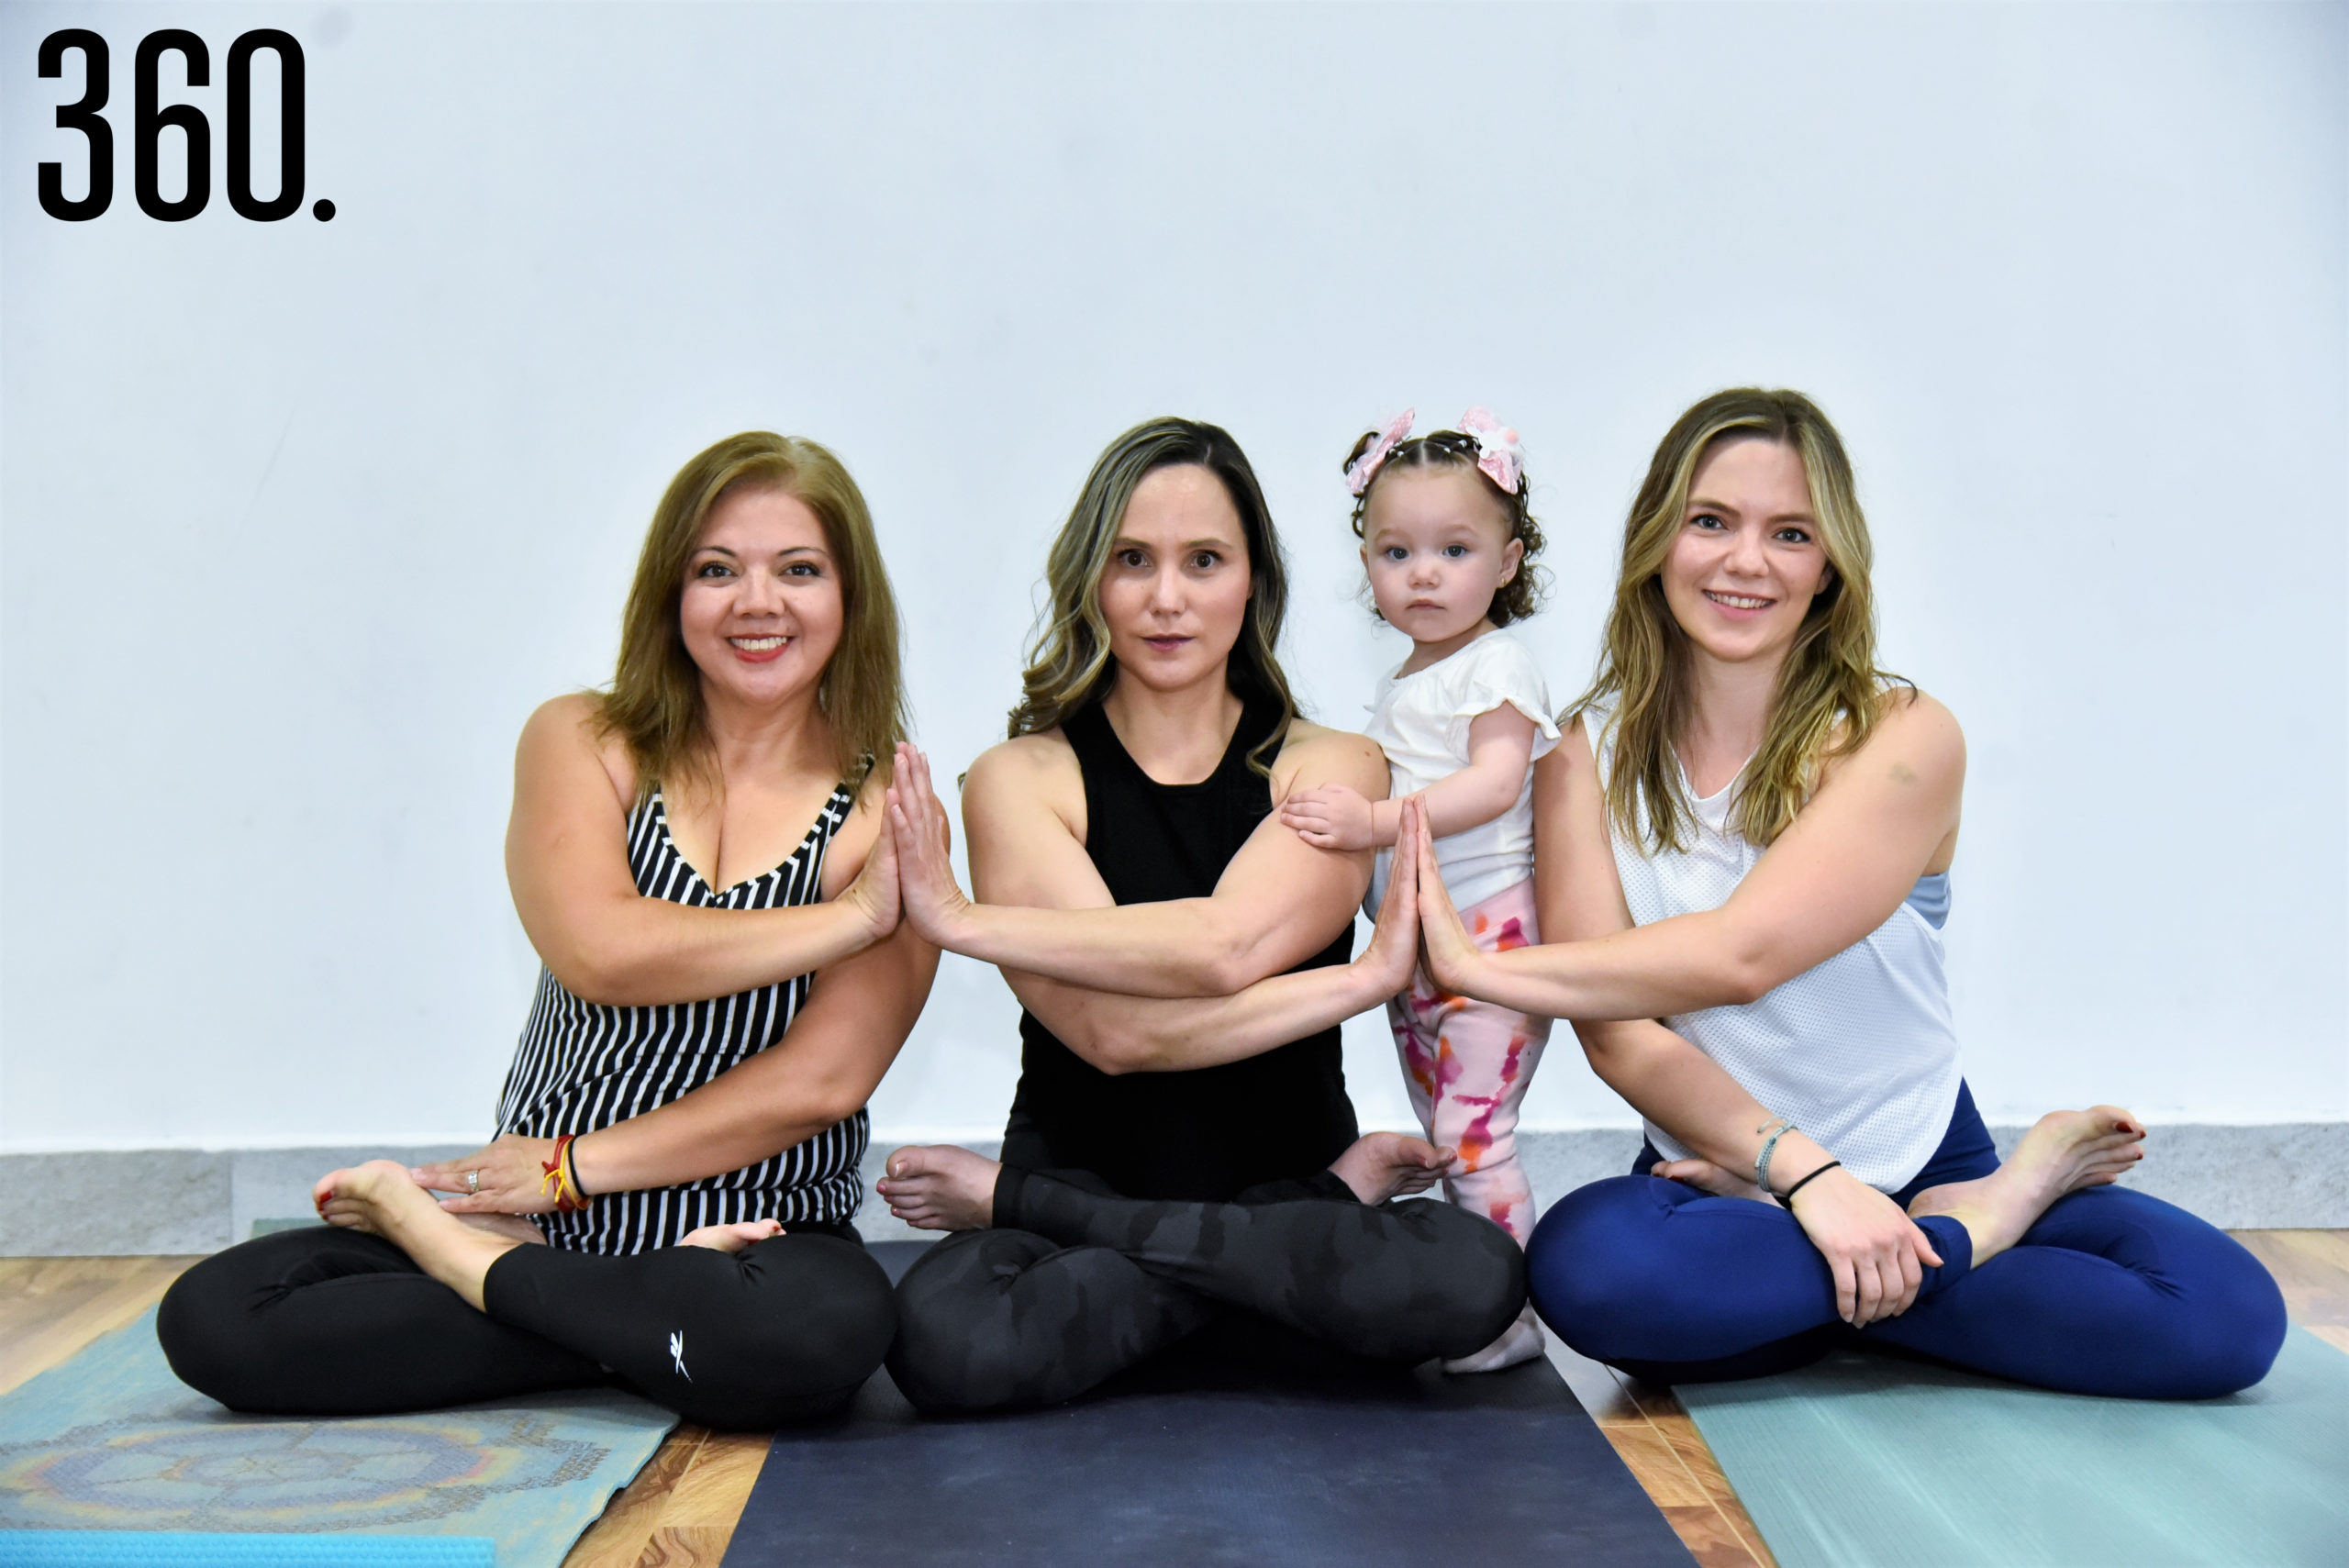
<point x="581" y="1065"/>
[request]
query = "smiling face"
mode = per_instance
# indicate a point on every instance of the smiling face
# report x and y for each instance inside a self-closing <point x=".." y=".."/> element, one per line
<point x="1436" y="545"/>
<point x="761" y="607"/>
<point x="1747" y="562"/>
<point x="1175" y="589"/>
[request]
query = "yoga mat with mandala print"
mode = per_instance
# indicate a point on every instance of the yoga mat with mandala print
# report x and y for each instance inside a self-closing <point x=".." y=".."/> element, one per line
<point x="111" y="1440"/>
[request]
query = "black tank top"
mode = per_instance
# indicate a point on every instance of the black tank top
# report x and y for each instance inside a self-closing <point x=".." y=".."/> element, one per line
<point x="1213" y="1132"/>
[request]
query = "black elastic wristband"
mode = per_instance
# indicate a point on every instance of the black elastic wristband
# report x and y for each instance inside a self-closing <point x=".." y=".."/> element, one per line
<point x="571" y="1171"/>
<point x="1788" y="1197"/>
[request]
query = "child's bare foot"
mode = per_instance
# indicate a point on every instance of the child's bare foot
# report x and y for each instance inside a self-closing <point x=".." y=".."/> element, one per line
<point x="1381" y="1165"/>
<point x="733" y="1238"/>
<point x="2064" y="1152"/>
<point x="1521" y="1341"/>
<point x="938" y="1187"/>
<point x="381" y="1198"/>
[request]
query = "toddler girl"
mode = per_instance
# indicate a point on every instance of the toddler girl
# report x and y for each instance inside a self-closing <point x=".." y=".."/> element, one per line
<point x="1446" y="541"/>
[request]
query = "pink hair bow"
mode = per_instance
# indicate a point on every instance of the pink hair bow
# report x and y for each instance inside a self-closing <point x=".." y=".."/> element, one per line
<point x="1498" y="452"/>
<point x="1365" y="467"/>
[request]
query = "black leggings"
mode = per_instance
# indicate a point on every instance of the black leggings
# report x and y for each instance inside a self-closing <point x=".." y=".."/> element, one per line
<point x="1078" y="1284"/>
<point x="331" y="1322"/>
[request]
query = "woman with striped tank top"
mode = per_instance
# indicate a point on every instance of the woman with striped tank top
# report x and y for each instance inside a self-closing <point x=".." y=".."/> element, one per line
<point x="697" y="857"/>
<point x="1742" y="858"/>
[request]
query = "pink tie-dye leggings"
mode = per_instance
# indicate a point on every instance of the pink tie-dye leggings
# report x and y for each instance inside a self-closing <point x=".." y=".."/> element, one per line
<point x="1466" y="1064"/>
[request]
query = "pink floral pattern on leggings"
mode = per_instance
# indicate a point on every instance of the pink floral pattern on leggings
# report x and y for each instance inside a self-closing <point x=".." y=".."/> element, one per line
<point x="1467" y="1063"/>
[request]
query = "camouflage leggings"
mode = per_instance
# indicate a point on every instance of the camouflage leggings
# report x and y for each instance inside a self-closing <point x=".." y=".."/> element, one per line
<point x="1076" y="1284"/>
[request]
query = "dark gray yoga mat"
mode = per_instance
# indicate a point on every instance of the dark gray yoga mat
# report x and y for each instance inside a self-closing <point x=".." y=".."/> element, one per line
<point x="1195" y="1464"/>
<point x="1871" y="1461"/>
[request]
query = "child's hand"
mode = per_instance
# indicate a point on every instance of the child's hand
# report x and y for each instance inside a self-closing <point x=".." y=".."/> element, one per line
<point x="1330" y="816"/>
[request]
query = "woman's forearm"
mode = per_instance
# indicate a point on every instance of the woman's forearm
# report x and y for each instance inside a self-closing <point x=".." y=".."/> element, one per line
<point x="1127" y="1034"/>
<point x="1183" y="948"/>
<point x="827" y="1065"/>
<point x="644" y="952"/>
<point x="1693" y="1098"/>
<point x="1679" y="965"/>
<point x="664" y="1150"/>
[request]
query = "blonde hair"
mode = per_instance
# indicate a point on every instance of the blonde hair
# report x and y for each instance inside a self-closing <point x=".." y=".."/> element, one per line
<point x="655" y="703"/>
<point x="1069" y="662"/>
<point x="1829" y="694"/>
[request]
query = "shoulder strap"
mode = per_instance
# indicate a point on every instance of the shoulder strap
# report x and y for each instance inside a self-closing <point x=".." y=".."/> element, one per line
<point x="1259" y="717"/>
<point x="1594" y="721"/>
<point x="1094" y="742"/>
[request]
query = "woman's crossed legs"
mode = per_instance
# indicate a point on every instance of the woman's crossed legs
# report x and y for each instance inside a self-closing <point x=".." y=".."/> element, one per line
<point x="418" y="1310"/>
<point x="1073" y="1284"/>
<point x="2048" y="1277"/>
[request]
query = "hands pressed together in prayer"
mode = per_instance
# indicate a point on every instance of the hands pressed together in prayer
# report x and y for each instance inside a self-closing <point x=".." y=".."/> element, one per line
<point x="921" y="844"/>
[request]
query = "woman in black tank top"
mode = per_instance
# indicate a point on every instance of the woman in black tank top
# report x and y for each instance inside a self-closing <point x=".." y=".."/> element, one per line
<point x="1214" y="1131"/>
<point x="1180" y="1149"/>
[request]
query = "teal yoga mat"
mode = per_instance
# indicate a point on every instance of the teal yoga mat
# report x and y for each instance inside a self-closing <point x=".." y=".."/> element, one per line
<point x="1871" y="1461"/>
<point x="180" y="1548"/>
<point x="112" y="1442"/>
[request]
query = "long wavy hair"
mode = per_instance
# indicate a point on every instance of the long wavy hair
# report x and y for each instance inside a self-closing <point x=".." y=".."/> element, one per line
<point x="1069" y="662"/>
<point x="655" y="703"/>
<point x="1829" y="691"/>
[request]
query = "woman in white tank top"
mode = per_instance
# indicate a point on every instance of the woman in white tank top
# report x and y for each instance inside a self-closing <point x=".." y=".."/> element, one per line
<point x="1746" y="835"/>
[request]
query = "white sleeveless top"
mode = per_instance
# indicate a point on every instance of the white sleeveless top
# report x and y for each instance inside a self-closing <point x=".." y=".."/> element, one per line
<point x="1859" y="1050"/>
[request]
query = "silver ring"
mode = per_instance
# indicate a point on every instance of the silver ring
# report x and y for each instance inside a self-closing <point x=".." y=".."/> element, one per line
<point x="472" y="1184"/>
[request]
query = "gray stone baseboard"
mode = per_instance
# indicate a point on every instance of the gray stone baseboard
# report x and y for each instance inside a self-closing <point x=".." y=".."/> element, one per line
<point x="165" y="1201"/>
<point x="2286" y="1176"/>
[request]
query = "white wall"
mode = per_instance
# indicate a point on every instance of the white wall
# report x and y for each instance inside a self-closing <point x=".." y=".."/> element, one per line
<point x="301" y="519"/>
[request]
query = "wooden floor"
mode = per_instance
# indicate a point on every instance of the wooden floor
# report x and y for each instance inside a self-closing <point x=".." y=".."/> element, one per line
<point x="683" y="1508"/>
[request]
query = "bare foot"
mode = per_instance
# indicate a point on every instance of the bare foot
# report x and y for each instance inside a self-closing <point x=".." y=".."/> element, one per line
<point x="381" y="1198"/>
<point x="733" y="1238"/>
<point x="2062" y="1152"/>
<point x="1706" y="1177"/>
<point x="1521" y="1341"/>
<point x="1381" y="1165"/>
<point x="513" y="1226"/>
<point x="938" y="1187"/>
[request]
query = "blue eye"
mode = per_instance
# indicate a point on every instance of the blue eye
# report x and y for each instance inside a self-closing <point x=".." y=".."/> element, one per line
<point x="1395" y="552"/>
<point x="1455" y="551"/>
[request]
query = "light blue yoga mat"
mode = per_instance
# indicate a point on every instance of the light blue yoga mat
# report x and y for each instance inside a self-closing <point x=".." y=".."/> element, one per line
<point x="179" y="1549"/>
<point x="1868" y="1460"/>
<point x="112" y="1442"/>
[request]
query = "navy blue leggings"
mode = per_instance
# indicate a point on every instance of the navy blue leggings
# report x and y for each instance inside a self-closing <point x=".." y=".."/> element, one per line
<point x="2110" y="1292"/>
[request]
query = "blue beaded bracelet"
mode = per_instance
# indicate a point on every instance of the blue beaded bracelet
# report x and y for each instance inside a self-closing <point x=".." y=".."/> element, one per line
<point x="1761" y="1162"/>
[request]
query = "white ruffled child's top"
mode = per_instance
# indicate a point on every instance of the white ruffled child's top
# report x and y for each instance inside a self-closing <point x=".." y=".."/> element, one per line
<point x="1420" y="721"/>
